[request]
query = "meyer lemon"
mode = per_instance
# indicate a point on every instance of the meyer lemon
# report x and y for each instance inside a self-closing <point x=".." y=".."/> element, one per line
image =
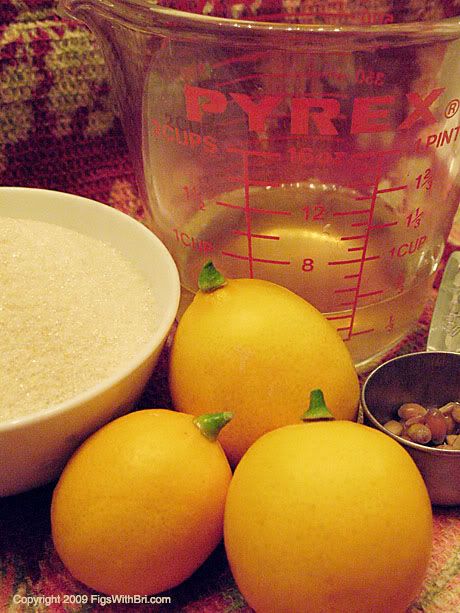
<point x="328" y="517"/>
<point x="140" y="504"/>
<point x="256" y="349"/>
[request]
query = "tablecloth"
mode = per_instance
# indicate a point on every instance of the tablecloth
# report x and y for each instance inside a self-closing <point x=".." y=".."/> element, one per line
<point x="30" y="567"/>
<point x="58" y="130"/>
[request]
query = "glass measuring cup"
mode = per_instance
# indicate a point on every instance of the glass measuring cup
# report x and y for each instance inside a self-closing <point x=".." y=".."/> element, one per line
<point x="321" y="157"/>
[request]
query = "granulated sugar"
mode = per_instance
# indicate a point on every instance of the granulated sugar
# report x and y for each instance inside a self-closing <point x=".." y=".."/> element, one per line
<point x="72" y="311"/>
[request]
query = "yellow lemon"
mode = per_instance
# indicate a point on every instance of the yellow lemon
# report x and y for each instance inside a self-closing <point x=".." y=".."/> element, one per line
<point x="139" y="506"/>
<point x="257" y="349"/>
<point x="328" y="517"/>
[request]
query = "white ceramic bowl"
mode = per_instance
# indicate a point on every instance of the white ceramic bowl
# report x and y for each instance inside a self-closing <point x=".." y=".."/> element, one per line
<point x="35" y="448"/>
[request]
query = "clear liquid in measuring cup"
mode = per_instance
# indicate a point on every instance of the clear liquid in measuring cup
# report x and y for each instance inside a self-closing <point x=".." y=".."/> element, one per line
<point x="365" y="275"/>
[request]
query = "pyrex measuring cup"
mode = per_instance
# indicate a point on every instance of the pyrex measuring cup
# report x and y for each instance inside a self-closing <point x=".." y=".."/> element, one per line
<point x="322" y="157"/>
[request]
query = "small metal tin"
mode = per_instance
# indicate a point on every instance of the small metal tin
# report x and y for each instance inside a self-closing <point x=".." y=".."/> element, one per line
<point x="429" y="378"/>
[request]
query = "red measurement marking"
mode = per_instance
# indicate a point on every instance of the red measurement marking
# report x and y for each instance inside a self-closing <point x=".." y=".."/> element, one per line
<point x="374" y="293"/>
<point x="379" y="226"/>
<point x="336" y="317"/>
<point x="357" y="296"/>
<point x="352" y="238"/>
<point x="356" y="261"/>
<point x="247" y="214"/>
<point x="249" y="210"/>
<point x="345" y="289"/>
<point x="353" y="304"/>
<point x="361" y="332"/>
<point x="351" y="333"/>
<point x="391" y="189"/>
<point x="383" y="191"/>
<point x="353" y="212"/>
<point x="228" y="205"/>
<point x="267" y="236"/>
<point x="364" y="259"/>
<point x="250" y="259"/>
<point x="252" y="209"/>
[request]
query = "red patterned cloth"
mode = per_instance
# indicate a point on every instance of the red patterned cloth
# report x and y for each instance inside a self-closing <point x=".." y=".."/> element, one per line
<point x="58" y="131"/>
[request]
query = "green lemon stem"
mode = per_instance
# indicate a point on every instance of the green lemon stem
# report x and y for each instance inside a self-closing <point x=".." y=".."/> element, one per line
<point x="317" y="410"/>
<point x="210" y="278"/>
<point x="210" y="424"/>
